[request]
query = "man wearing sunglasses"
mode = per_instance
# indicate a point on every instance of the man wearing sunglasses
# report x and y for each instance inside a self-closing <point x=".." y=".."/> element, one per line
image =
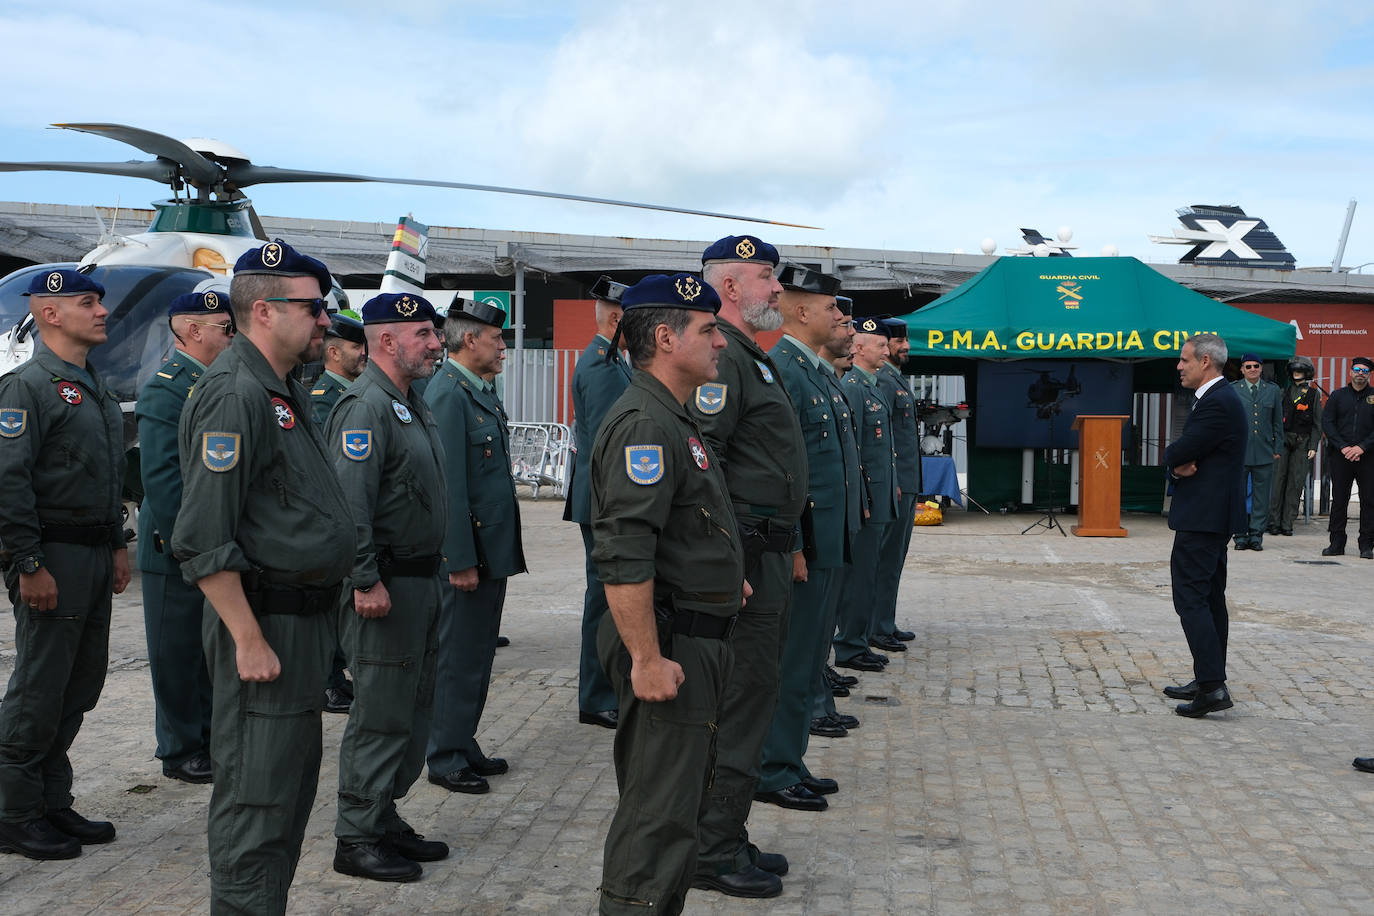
<point x="1348" y="422"/>
<point x="202" y="328"/>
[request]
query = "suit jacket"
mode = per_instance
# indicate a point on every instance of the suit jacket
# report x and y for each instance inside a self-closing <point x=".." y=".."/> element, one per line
<point x="1215" y="437"/>
<point x="1265" y="411"/>
<point x="596" y="383"/>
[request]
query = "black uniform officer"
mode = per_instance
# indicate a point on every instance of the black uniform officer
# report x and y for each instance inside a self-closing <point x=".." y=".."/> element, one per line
<point x="203" y="327"/>
<point x="1348" y="422"/>
<point x="62" y="549"/>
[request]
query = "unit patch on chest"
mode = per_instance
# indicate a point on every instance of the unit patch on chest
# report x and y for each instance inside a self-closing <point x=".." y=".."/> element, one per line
<point x="285" y="418"/>
<point x="402" y="411"/>
<point x="764" y="371"/>
<point x="69" y="393"/>
<point x="698" y="453"/>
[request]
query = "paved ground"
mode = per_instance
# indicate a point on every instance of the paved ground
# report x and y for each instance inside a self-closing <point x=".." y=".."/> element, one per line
<point x="1019" y="759"/>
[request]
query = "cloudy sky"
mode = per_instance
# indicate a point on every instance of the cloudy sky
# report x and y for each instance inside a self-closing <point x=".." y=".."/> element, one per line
<point x="925" y="126"/>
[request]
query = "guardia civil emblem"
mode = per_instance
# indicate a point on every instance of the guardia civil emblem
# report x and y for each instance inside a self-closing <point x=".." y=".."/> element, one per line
<point x="644" y="463"/>
<point x="698" y="453"/>
<point x="688" y="288"/>
<point x="54" y="282"/>
<point x="710" y="398"/>
<point x="407" y="306"/>
<point x="219" y="451"/>
<point x="285" y="418"/>
<point x="211" y="299"/>
<point x="13" y="422"/>
<point x="402" y="411"/>
<point x="69" y="393"/>
<point x="764" y="371"/>
<point x="745" y="248"/>
<point x="271" y="254"/>
<point x="357" y="444"/>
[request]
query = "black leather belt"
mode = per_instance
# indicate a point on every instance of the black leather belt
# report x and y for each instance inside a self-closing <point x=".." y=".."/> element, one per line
<point x="768" y="537"/>
<point x="267" y="600"/>
<point x="393" y="567"/>
<point x="89" y="535"/>
<point x="708" y="626"/>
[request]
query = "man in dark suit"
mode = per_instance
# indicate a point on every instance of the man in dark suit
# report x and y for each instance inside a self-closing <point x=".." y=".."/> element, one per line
<point x="1207" y="464"/>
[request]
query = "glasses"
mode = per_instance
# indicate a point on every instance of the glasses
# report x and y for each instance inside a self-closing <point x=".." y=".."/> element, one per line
<point x="317" y="306"/>
<point x="1360" y="370"/>
<point x="226" y="326"/>
<point x="1252" y="366"/>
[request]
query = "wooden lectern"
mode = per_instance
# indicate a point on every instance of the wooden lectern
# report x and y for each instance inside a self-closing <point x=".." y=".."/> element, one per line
<point x="1099" y="476"/>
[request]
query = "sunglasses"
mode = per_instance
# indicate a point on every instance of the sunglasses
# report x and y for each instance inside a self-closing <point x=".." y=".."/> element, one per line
<point x="1360" y="370"/>
<point x="317" y="306"/>
<point x="226" y="326"/>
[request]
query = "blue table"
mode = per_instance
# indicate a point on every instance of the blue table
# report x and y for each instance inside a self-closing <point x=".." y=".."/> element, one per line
<point x="938" y="478"/>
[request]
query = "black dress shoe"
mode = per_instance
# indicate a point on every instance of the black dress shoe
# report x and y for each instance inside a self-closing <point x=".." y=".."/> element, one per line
<point x="1203" y="703"/>
<point x="1242" y="545"/>
<point x="775" y="863"/>
<point x="1333" y="552"/>
<point x="89" y="833"/>
<point x="887" y="643"/>
<point x="749" y="881"/>
<point x="797" y="797"/>
<point x="878" y="657"/>
<point x="850" y="722"/>
<point x="502" y="642"/>
<point x="839" y="691"/>
<point x="860" y="663"/>
<point x="336" y="699"/>
<point x="825" y="727"/>
<point x="415" y="847"/>
<point x="38" y="839"/>
<point x="1364" y="763"/>
<point x="483" y="765"/>
<point x="195" y="769"/>
<point x="903" y="635"/>
<point x="1367" y="554"/>
<point x="820" y="785"/>
<point x="1256" y="545"/>
<point x="462" y="781"/>
<point x="1186" y="692"/>
<point x="842" y="680"/>
<point x="606" y="718"/>
<point x="1286" y="532"/>
<point x="375" y="861"/>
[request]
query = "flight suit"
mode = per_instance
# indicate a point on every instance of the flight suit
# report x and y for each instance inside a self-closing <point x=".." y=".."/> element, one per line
<point x="599" y="378"/>
<point x="482" y="530"/>
<point x="172" y="609"/>
<point x="62" y="472"/>
<point x="661" y="512"/>
<point x="1264" y="410"/>
<point x="1302" y="433"/>
<point x="832" y="461"/>
<point x="388" y="457"/>
<point x="877" y="457"/>
<point x="906" y="440"/>
<point x="323" y="396"/>
<point x="753" y="430"/>
<point x="260" y="497"/>
<point x="1349" y="420"/>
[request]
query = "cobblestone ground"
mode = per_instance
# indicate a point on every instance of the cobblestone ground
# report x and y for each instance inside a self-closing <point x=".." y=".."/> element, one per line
<point x="1019" y="759"/>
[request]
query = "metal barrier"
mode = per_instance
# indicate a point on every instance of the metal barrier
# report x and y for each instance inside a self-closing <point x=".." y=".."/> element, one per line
<point x="540" y="455"/>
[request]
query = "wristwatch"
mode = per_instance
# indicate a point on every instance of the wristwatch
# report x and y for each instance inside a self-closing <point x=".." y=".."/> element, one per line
<point x="30" y="565"/>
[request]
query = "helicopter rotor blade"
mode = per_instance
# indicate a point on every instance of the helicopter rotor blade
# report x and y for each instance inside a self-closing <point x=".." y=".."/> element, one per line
<point x="161" y="172"/>
<point x="241" y="175"/>
<point x="195" y="167"/>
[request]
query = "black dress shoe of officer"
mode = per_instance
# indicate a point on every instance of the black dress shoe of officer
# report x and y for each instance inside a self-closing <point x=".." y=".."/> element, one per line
<point x="797" y="797"/>
<point x="850" y="722"/>
<point x="606" y="718"/>
<point x="336" y="699"/>
<point x="375" y="861"/>
<point x="775" y="863"/>
<point x="820" y="785"/>
<point x="749" y="881"/>
<point x="483" y="765"/>
<point x="839" y="691"/>
<point x="825" y="727"/>
<point x="38" y="839"/>
<point x="462" y="781"/>
<point x="903" y="635"/>
<point x="1366" y="764"/>
<point x="1256" y="545"/>
<point x="502" y="642"/>
<point x="1367" y="554"/>
<point x="89" y="833"/>
<point x="1187" y="692"/>
<point x="1333" y="551"/>
<point x="415" y="847"/>
<point x="194" y="769"/>
<point x="841" y="680"/>
<point x="1203" y="703"/>
<point x="860" y="663"/>
<point x="1286" y="532"/>
<point x="878" y="657"/>
<point x="1242" y="545"/>
<point x="887" y="643"/>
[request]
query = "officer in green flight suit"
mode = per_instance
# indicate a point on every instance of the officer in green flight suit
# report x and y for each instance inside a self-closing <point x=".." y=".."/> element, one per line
<point x="1264" y="408"/>
<point x="1302" y="433"/>
<point x="266" y="534"/>
<point x="482" y="546"/>
<point x="668" y="551"/>
<point x="600" y="377"/>
<point x="63" y="555"/>
<point x="203" y="327"/>
<point x="906" y="439"/>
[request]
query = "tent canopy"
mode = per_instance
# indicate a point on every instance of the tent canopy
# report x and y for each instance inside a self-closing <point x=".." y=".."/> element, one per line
<point x="1069" y="308"/>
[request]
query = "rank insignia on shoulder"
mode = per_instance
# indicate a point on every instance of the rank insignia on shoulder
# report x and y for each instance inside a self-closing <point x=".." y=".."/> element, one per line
<point x="13" y="422"/>
<point x="357" y="444"/>
<point x="402" y="411"/>
<point x="764" y="371"/>
<point x="161" y="374"/>
<point x="285" y="418"/>
<point x="644" y="463"/>
<point x="69" y="393"/>
<point x="698" y="453"/>
<point x="710" y="398"/>
<point x="317" y="392"/>
<point x="219" y="451"/>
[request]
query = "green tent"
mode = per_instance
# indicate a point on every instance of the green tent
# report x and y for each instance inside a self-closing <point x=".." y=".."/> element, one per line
<point x="1076" y="308"/>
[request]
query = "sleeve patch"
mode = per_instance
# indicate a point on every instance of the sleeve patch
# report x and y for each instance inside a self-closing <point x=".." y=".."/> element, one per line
<point x="219" y="451"/>
<point x="357" y="444"/>
<point x="710" y="398"/>
<point x="14" y="422"/>
<point x="644" y="463"/>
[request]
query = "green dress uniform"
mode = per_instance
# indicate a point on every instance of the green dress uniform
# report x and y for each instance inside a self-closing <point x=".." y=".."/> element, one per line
<point x="597" y="381"/>
<point x="906" y="440"/>
<point x="832" y="461"/>
<point x="482" y="530"/>
<point x="171" y="608"/>
<point x="261" y="498"/>
<point x="62" y="471"/>
<point x="1302" y="433"/>
<point x="329" y="387"/>
<point x="388" y="457"/>
<point x="1264" y="409"/>
<point x="753" y="430"/>
<point x="858" y="610"/>
<point x="661" y="511"/>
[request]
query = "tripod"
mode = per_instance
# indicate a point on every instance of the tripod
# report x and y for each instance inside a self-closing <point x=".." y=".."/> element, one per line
<point x="1049" y="519"/>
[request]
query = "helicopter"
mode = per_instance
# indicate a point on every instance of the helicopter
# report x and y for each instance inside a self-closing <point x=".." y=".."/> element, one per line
<point x="195" y="236"/>
<point x="1047" y="394"/>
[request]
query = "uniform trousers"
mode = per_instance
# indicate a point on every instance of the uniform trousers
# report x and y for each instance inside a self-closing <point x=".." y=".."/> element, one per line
<point x="746" y="712"/>
<point x="822" y="697"/>
<point x="594" y="692"/>
<point x="383" y="751"/>
<point x="859" y="606"/>
<point x="59" y="670"/>
<point x="1197" y="567"/>
<point x="1290" y="481"/>
<point x="1344" y="473"/>
<point x="172" y="612"/>
<point x="664" y="762"/>
<point x="1261" y="476"/>
<point x="469" y="623"/>
<point x="891" y="560"/>
<point x="265" y="746"/>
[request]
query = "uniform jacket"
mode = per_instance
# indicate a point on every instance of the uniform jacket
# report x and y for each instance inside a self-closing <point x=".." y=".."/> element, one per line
<point x="876" y="453"/>
<point x="325" y="394"/>
<point x="387" y="454"/>
<point x="750" y="423"/>
<point x="1302" y="414"/>
<point x="1214" y="436"/>
<point x="596" y="383"/>
<point x="61" y="453"/>
<point x="1264" y="410"/>
<point x="1349" y="418"/>
<point x="158" y="412"/>
<point x="259" y="490"/>
<point x="660" y="506"/>
<point x="906" y="435"/>
<point x="483" y="526"/>
<point x="832" y="455"/>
